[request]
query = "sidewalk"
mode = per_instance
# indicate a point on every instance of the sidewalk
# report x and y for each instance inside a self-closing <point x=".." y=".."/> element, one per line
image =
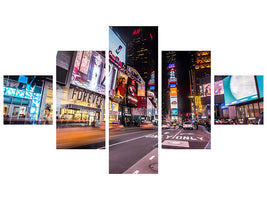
<point x="146" y="165"/>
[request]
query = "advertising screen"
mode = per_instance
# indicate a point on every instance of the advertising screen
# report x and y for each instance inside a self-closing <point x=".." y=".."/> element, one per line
<point x="117" y="46"/>
<point x="218" y="88"/>
<point x="174" y="102"/>
<point x="172" y="65"/>
<point x="23" y="79"/>
<point x="238" y="89"/>
<point x="89" y="71"/>
<point x="205" y="90"/>
<point x="132" y="92"/>
<point x="173" y="85"/>
<point x="121" y="86"/>
<point x="152" y="87"/>
<point x="174" y="111"/>
<point x="260" y="85"/>
<point x="142" y="102"/>
<point x="173" y="92"/>
<point x="141" y="90"/>
<point x="112" y="78"/>
<point x="113" y="107"/>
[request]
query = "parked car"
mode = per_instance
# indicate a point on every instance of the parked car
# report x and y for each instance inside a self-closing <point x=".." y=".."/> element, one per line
<point x="147" y="125"/>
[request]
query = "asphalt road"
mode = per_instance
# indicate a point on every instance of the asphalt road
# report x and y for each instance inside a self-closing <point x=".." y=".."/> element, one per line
<point x="80" y="138"/>
<point x="185" y="139"/>
<point x="133" y="151"/>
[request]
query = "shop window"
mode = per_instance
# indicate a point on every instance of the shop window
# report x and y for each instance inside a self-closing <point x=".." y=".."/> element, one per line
<point x="251" y="111"/>
<point x="256" y="109"/>
<point x="261" y="107"/>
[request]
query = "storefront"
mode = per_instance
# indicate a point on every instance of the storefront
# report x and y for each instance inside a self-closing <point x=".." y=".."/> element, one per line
<point x="79" y="107"/>
<point x="113" y="112"/>
<point x="23" y="98"/>
<point x="249" y="113"/>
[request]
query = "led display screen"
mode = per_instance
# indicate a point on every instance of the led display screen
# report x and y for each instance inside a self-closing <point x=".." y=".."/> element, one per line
<point x="132" y="92"/>
<point x="23" y="79"/>
<point x="238" y="89"/>
<point x="260" y="85"/>
<point x="218" y="88"/>
<point x="90" y="74"/>
<point x="152" y="87"/>
<point x="173" y="85"/>
<point x="141" y="90"/>
<point x="173" y="92"/>
<point x="174" y="111"/>
<point x="116" y="46"/>
<point x="121" y="86"/>
<point x="205" y="90"/>
<point x="172" y="65"/>
<point x="174" y="102"/>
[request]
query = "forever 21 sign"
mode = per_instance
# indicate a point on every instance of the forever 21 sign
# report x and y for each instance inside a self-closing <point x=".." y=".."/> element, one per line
<point x="86" y="96"/>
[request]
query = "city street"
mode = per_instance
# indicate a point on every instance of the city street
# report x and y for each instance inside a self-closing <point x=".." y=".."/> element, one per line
<point x="133" y="151"/>
<point x="186" y="139"/>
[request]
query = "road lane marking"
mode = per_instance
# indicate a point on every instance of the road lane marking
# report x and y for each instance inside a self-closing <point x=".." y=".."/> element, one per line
<point x="151" y="158"/>
<point x="120" y="134"/>
<point x="177" y="133"/>
<point x="136" y="172"/>
<point x="130" y="140"/>
<point x="166" y="133"/>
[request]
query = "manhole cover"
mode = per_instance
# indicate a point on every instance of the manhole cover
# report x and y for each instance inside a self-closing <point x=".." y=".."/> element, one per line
<point x="154" y="167"/>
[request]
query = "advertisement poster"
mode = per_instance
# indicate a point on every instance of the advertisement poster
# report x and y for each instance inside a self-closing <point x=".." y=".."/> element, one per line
<point x="91" y="73"/>
<point x="174" y="111"/>
<point x="218" y="88"/>
<point x="173" y="92"/>
<point x="132" y="92"/>
<point x="121" y="86"/>
<point x="116" y="46"/>
<point x="141" y="90"/>
<point x="142" y="102"/>
<point x="239" y="89"/>
<point x="174" y="102"/>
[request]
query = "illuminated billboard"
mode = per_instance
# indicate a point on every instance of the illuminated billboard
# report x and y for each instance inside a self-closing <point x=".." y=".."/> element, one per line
<point x="260" y="85"/>
<point x="205" y="90"/>
<point x="89" y="71"/>
<point x="174" y="102"/>
<point x="132" y="92"/>
<point x="173" y="92"/>
<point x="173" y="85"/>
<point x="238" y="89"/>
<point x="174" y="111"/>
<point x="116" y="46"/>
<point x="121" y="86"/>
<point x="218" y="88"/>
<point x="113" y="71"/>
<point x="172" y="65"/>
<point x="141" y="90"/>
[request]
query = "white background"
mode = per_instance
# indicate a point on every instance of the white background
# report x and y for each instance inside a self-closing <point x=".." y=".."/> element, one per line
<point x="31" y="34"/>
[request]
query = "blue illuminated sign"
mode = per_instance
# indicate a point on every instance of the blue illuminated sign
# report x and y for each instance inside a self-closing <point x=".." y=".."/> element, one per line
<point x="152" y="87"/>
<point x="10" y="92"/>
<point x="260" y="85"/>
<point x="23" y="79"/>
<point x="174" y="111"/>
<point x="173" y="85"/>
